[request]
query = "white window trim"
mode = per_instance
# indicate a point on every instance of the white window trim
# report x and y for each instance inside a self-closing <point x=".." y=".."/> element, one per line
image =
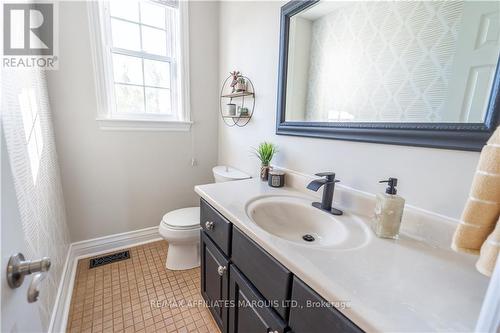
<point x="103" y="78"/>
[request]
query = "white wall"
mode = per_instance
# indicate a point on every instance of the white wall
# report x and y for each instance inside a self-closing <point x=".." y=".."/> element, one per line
<point x="120" y="181"/>
<point x="433" y="179"/>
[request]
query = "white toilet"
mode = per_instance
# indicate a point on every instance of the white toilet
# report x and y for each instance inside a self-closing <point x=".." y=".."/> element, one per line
<point x="181" y="227"/>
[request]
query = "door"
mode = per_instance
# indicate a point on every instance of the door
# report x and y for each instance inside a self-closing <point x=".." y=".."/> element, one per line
<point x="214" y="281"/>
<point x="475" y="61"/>
<point x="249" y="311"/>
<point x="17" y="315"/>
<point x="33" y="218"/>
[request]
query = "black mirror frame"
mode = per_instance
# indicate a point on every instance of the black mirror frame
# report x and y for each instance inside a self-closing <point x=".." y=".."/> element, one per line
<point x="457" y="136"/>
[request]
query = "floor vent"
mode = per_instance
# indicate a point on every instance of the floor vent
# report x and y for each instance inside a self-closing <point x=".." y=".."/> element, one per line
<point x="109" y="259"/>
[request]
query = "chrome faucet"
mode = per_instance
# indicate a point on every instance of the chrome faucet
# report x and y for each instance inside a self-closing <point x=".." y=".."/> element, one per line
<point x="326" y="201"/>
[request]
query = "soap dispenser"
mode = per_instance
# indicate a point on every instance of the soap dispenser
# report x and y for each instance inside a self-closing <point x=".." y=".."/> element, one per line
<point x="388" y="211"/>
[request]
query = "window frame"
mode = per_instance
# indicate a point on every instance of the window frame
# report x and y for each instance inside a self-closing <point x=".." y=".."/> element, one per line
<point x="102" y="51"/>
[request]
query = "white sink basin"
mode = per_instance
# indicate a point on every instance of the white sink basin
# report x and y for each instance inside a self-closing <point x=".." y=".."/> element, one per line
<point x="295" y="220"/>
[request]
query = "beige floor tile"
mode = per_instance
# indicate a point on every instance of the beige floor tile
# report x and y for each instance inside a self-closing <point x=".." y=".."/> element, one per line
<point x="138" y="295"/>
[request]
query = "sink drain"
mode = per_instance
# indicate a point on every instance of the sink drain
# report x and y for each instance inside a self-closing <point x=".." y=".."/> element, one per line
<point x="308" y="238"/>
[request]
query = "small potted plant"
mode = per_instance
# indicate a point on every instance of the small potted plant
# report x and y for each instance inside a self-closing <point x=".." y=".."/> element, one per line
<point x="265" y="152"/>
<point x="241" y="84"/>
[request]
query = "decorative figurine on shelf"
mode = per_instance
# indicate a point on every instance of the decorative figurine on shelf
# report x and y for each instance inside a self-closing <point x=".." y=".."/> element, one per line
<point x="234" y="81"/>
<point x="241" y="84"/>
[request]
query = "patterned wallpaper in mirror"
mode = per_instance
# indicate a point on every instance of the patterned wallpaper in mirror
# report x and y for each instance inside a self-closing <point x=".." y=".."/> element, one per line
<point x="415" y="61"/>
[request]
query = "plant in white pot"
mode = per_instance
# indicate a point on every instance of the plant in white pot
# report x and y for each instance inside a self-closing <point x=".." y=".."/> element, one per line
<point x="265" y="153"/>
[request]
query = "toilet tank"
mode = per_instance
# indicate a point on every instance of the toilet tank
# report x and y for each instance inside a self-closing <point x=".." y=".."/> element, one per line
<point x="224" y="173"/>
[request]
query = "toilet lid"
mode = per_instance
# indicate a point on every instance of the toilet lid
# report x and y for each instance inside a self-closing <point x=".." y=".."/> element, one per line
<point x="229" y="172"/>
<point x="184" y="218"/>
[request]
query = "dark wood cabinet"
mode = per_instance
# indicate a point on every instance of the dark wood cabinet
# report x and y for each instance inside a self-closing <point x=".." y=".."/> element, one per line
<point x="249" y="291"/>
<point x="268" y="276"/>
<point x="214" y="280"/>
<point x="249" y="311"/>
<point x="313" y="314"/>
<point x="216" y="227"/>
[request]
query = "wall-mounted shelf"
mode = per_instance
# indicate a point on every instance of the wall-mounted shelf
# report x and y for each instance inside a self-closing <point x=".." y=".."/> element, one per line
<point x="242" y="99"/>
<point x="239" y="94"/>
<point x="242" y="117"/>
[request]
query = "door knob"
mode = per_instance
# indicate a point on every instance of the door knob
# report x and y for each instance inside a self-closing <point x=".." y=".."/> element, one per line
<point x="209" y="225"/>
<point x="18" y="268"/>
<point x="34" y="288"/>
<point x="221" y="270"/>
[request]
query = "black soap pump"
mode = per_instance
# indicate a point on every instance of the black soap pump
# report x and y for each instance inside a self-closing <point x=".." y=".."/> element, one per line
<point x="388" y="211"/>
<point x="392" y="182"/>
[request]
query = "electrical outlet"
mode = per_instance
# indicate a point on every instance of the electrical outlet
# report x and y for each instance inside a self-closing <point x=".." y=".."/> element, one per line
<point x="194" y="162"/>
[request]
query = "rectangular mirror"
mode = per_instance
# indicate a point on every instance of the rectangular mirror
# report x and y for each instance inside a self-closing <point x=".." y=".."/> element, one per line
<point x="421" y="73"/>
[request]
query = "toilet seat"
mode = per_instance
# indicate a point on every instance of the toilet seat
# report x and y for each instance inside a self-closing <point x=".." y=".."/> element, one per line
<point x="181" y="227"/>
<point x="182" y="219"/>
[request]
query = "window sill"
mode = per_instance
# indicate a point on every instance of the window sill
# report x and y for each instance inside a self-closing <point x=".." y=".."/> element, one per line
<point x="111" y="124"/>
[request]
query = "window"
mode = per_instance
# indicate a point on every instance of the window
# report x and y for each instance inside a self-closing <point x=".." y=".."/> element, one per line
<point x="140" y="60"/>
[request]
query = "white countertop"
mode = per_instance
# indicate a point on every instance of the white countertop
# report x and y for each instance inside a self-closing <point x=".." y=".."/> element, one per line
<point x="400" y="285"/>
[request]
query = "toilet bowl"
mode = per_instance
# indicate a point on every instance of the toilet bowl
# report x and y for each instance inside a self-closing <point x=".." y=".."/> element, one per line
<point x="181" y="227"/>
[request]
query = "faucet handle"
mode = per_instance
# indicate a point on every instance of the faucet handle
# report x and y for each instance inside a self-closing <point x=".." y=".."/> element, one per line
<point x="329" y="175"/>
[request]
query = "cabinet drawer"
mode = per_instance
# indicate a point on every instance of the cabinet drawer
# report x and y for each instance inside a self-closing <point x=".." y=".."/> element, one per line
<point x="270" y="277"/>
<point x="216" y="226"/>
<point x="319" y="318"/>
<point x="249" y="311"/>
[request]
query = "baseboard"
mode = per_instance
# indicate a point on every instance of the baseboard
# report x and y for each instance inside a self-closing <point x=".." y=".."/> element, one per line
<point x="85" y="249"/>
<point x="64" y="291"/>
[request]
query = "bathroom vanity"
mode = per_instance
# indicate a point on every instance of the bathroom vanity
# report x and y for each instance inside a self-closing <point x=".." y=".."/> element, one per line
<point x="258" y="275"/>
<point x="250" y="291"/>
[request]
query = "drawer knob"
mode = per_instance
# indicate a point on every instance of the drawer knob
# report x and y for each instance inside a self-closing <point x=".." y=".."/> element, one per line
<point x="221" y="270"/>
<point x="209" y="225"/>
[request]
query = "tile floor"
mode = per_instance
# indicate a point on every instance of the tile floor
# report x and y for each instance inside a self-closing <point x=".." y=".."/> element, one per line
<point x="138" y="295"/>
